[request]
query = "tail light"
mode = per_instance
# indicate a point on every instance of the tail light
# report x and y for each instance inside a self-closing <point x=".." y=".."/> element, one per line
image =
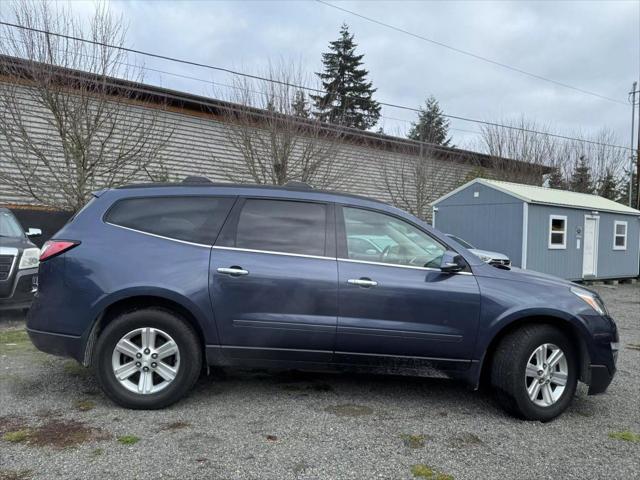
<point x="56" y="247"/>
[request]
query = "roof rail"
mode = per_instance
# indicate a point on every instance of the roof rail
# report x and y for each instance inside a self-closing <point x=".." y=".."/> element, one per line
<point x="298" y="185"/>
<point x="195" y="179"/>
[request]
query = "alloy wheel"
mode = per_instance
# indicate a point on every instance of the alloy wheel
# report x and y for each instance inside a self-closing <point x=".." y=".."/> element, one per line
<point x="146" y="360"/>
<point x="546" y="375"/>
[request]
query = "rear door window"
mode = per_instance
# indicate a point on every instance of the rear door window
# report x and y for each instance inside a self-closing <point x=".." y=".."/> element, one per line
<point x="192" y="219"/>
<point x="282" y="226"/>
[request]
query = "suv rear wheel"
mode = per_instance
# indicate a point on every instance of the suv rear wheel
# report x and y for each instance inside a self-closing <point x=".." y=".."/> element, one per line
<point x="147" y="359"/>
<point x="534" y="372"/>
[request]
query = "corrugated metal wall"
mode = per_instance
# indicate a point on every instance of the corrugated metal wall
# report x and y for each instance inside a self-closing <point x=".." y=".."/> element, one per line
<point x="200" y="146"/>
<point x="491" y="220"/>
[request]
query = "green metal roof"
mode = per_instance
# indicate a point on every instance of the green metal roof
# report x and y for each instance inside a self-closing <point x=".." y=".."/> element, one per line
<point x="550" y="196"/>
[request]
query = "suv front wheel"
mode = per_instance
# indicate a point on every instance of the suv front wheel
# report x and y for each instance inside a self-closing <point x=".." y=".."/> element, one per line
<point x="147" y="359"/>
<point x="534" y="372"/>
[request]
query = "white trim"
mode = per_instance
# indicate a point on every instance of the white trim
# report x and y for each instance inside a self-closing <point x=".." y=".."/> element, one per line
<point x="271" y="252"/>
<point x="434" y="209"/>
<point x="615" y="234"/>
<point x="595" y="247"/>
<point x="525" y="234"/>
<point x="555" y="246"/>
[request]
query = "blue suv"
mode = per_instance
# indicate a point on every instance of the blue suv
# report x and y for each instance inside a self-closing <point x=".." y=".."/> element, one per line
<point x="149" y="283"/>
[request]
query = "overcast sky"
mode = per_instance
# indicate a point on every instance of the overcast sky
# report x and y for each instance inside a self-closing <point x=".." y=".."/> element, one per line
<point x="591" y="45"/>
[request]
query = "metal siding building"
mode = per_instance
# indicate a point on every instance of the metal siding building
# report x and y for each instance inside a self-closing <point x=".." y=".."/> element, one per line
<point x="567" y="234"/>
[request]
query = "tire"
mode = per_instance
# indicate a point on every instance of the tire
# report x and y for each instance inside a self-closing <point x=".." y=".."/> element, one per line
<point x="516" y="372"/>
<point x="157" y="325"/>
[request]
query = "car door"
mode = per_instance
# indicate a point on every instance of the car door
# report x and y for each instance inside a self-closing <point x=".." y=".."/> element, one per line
<point x="273" y="281"/>
<point x="400" y="304"/>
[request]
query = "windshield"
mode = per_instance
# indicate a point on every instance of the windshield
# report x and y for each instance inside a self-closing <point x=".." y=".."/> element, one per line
<point x="9" y="226"/>
<point x="461" y="241"/>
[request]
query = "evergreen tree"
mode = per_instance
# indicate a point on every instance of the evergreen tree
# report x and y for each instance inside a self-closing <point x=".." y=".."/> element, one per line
<point x="608" y="186"/>
<point x="348" y="98"/>
<point x="557" y="180"/>
<point x="299" y="105"/>
<point x="432" y="126"/>
<point x="580" y="180"/>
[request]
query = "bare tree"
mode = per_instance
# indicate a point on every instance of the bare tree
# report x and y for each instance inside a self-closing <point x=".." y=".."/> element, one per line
<point x="516" y="152"/>
<point x="66" y="127"/>
<point x="268" y="124"/>
<point x="418" y="179"/>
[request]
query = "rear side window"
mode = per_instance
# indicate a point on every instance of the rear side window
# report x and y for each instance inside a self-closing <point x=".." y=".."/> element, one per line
<point x="282" y="226"/>
<point x="192" y="219"/>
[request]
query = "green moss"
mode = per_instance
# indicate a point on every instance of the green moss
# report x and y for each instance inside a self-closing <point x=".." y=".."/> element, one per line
<point x="128" y="439"/>
<point x="97" y="452"/>
<point x="626" y="436"/>
<point x="85" y="405"/>
<point x="413" y="441"/>
<point x="74" y="368"/>
<point x="17" y="436"/>
<point x="14" y="339"/>
<point x="423" y="471"/>
<point x="420" y="470"/>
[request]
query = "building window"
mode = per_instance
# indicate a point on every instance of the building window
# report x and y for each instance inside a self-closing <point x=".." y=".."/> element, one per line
<point x="557" y="232"/>
<point x="619" y="235"/>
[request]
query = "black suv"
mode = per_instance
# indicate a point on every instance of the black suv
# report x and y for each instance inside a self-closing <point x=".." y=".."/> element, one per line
<point x="18" y="263"/>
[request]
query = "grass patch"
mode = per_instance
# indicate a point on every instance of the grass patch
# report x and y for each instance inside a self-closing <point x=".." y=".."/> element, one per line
<point x="15" y="474"/>
<point x="75" y="369"/>
<point x="17" y="436"/>
<point x="128" y="439"/>
<point x="413" y="441"/>
<point x="421" y="470"/>
<point x="14" y="339"/>
<point x="85" y="405"/>
<point x="625" y="436"/>
<point x="349" y="410"/>
<point x="97" y="452"/>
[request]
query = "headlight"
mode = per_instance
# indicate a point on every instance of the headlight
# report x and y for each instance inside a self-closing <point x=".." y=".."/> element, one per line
<point x="593" y="301"/>
<point x="484" y="258"/>
<point x="30" y="258"/>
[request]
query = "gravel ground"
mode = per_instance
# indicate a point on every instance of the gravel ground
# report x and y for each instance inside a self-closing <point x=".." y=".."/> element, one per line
<point x="55" y="423"/>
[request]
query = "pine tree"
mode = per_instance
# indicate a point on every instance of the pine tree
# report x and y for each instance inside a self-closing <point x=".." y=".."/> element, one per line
<point x="608" y="186"/>
<point x="580" y="180"/>
<point x="432" y="126"/>
<point x="299" y="105"/>
<point x="348" y="98"/>
<point x="557" y="180"/>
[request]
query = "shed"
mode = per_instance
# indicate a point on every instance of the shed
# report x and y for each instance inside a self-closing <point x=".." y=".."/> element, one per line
<point x="571" y="235"/>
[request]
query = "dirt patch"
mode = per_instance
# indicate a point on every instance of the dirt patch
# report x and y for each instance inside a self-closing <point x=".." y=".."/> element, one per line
<point x="15" y="475"/>
<point x="85" y="405"/>
<point x="55" y="433"/>
<point x="465" y="439"/>
<point x="173" y="426"/>
<point x="12" y="423"/>
<point x="349" y="410"/>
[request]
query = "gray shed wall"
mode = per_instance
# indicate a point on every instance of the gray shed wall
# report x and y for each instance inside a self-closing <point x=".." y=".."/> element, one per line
<point x="567" y="263"/>
<point x="490" y="221"/>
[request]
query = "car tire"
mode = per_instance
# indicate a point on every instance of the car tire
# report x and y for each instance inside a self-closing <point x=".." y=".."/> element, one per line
<point x="166" y="378"/>
<point x="527" y="385"/>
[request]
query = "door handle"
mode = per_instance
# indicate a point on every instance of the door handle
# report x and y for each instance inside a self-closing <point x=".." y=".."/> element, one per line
<point x="362" y="282"/>
<point x="234" y="271"/>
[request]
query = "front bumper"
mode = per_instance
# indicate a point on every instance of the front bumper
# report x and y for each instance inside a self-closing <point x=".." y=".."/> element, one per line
<point x="20" y="293"/>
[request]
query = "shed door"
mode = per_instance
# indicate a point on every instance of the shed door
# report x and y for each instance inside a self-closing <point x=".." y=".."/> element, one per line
<point x="590" y="255"/>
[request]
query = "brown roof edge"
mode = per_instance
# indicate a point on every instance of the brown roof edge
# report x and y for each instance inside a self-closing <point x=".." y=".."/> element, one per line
<point x="221" y="109"/>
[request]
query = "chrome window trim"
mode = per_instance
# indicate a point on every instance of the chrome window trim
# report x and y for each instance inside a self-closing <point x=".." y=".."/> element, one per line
<point x="271" y="252"/>
<point x="159" y="236"/>
<point x="429" y="269"/>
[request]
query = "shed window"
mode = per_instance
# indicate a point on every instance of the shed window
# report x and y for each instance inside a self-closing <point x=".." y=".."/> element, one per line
<point x="619" y="235"/>
<point x="557" y="232"/>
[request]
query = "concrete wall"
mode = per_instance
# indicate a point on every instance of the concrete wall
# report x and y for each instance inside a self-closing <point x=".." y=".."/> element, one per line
<point x="567" y="263"/>
<point x="491" y="220"/>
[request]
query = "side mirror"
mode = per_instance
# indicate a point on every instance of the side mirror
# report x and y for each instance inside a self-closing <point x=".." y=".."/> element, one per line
<point x="451" y="262"/>
<point x="34" y="232"/>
